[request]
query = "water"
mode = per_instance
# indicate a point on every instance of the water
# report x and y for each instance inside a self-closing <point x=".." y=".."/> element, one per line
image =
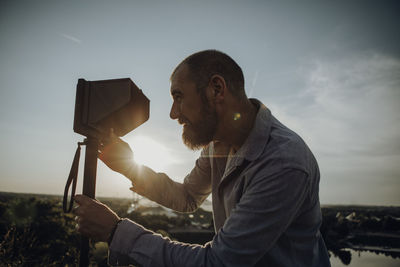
<point x="367" y="259"/>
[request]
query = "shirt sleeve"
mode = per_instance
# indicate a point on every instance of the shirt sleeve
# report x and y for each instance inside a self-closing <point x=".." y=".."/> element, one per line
<point x="266" y="209"/>
<point x="183" y="197"/>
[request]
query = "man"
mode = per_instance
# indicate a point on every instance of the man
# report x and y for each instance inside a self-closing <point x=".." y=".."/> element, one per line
<point x="263" y="178"/>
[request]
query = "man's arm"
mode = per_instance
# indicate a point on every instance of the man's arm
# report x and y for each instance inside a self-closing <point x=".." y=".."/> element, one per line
<point x="264" y="212"/>
<point x="158" y="187"/>
<point x="184" y="197"/>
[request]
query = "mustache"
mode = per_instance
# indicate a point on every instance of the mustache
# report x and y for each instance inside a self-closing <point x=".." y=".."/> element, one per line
<point x="183" y="120"/>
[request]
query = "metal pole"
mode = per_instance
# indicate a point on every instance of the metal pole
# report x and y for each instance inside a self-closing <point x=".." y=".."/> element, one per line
<point x="89" y="189"/>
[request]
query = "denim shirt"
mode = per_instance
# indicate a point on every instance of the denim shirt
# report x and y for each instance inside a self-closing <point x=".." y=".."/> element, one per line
<point x="265" y="205"/>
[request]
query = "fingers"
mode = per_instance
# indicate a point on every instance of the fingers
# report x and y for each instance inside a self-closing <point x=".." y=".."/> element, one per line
<point x="94" y="219"/>
<point x="81" y="227"/>
<point x="113" y="138"/>
<point x="112" y="134"/>
<point x="109" y="139"/>
<point x="82" y="199"/>
<point x="83" y="213"/>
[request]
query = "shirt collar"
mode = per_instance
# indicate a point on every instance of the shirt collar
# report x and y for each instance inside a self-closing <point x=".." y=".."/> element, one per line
<point x="258" y="137"/>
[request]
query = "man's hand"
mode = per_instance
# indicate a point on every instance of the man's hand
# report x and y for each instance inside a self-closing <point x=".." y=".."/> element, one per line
<point x="116" y="154"/>
<point x="94" y="219"/>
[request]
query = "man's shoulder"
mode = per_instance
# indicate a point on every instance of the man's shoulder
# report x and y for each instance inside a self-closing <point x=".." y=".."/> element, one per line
<point x="284" y="140"/>
<point x="286" y="149"/>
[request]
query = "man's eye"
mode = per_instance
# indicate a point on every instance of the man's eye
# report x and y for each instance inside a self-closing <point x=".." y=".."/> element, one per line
<point x="177" y="98"/>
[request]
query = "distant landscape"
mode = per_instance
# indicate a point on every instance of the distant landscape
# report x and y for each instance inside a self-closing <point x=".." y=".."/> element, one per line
<point x="35" y="232"/>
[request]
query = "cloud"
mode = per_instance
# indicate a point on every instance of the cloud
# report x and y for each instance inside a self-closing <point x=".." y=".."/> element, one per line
<point x="72" y="38"/>
<point x="253" y="83"/>
<point x="349" y="113"/>
<point x="357" y="99"/>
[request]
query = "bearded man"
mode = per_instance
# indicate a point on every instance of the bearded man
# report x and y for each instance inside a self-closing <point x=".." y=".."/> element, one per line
<point x="263" y="178"/>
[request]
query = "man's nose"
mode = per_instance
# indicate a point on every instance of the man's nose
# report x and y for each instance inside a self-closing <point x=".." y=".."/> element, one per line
<point x="174" y="113"/>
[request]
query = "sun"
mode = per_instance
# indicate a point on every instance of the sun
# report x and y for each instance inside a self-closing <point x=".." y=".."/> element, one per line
<point x="148" y="152"/>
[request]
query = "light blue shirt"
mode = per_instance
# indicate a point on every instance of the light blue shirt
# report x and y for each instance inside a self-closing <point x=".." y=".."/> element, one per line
<point x="265" y="205"/>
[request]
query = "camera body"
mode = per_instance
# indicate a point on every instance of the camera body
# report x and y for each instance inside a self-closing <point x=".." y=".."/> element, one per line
<point x="105" y="104"/>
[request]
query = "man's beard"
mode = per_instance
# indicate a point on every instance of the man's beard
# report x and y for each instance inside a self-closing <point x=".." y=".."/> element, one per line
<point x="199" y="134"/>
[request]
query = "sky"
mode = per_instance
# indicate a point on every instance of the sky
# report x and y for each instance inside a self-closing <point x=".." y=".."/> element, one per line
<point x="329" y="70"/>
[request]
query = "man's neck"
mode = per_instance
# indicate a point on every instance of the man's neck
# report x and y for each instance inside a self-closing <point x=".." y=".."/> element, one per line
<point x="237" y="124"/>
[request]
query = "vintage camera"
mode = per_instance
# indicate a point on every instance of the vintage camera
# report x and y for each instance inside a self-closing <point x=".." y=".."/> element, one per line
<point x="101" y="105"/>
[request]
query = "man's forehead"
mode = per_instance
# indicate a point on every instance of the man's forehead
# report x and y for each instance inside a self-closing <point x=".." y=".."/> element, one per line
<point x="180" y="79"/>
<point x="180" y="73"/>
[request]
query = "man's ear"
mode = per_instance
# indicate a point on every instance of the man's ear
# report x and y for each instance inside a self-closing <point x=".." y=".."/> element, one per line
<point x="218" y="88"/>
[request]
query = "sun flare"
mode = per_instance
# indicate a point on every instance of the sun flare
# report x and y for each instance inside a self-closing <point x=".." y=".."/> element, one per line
<point x="148" y="152"/>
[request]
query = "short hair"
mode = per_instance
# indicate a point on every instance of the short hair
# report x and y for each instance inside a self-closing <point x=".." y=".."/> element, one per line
<point x="204" y="64"/>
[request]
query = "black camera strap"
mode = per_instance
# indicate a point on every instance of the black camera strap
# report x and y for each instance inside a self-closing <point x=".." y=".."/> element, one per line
<point x="72" y="178"/>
